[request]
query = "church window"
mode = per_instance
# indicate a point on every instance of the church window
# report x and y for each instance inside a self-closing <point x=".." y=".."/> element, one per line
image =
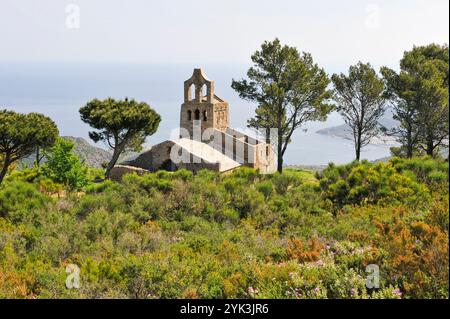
<point x="205" y="116"/>
<point x="189" y="112"/>
<point x="203" y="93"/>
<point x="197" y="114"/>
<point x="192" y="92"/>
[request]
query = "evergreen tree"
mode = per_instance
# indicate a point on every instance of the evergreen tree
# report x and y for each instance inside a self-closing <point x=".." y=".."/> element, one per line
<point x="21" y="134"/>
<point x="360" y="98"/>
<point x="123" y="124"/>
<point x="289" y="89"/>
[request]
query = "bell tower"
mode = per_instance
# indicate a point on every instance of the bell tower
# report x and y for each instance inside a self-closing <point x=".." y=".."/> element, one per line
<point x="201" y="106"/>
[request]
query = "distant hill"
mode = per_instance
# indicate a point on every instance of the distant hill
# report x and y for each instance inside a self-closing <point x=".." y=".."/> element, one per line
<point x="343" y="131"/>
<point x="93" y="156"/>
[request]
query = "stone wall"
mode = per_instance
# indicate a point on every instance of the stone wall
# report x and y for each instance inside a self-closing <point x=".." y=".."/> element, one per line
<point x="152" y="159"/>
<point x="245" y="149"/>
<point x="118" y="171"/>
<point x="158" y="157"/>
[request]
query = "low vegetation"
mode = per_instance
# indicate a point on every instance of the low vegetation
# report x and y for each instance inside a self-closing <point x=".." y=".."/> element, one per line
<point x="360" y="230"/>
<point x="241" y="235"/>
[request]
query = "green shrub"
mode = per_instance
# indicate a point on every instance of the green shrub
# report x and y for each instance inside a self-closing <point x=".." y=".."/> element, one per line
<point x="150" y="182"/>
<point x="239" y="235"/>
<point x="265" y="187"/>
<point x="19" y="198"/>
<point x="183" y="174"/>
<point x="98" y="188"/>
<point x="64" y="167"/>
<point x="366" y="183"/>
<point x="283" y="182"/>
<point x="247" y="173"/>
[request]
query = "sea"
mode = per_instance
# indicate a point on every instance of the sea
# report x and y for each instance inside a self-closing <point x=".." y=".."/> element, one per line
<point x="58" y="90"/>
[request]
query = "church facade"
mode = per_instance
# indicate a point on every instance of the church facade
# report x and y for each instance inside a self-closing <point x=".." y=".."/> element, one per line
<point x="206" y="140"/>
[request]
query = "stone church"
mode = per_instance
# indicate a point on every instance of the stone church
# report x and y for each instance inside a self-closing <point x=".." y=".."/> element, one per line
<point x="206" y="140"/>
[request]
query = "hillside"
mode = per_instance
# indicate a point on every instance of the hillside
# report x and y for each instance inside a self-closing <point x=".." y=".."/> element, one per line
<point x="298" y="235"/>
<point x="93" y="156"/>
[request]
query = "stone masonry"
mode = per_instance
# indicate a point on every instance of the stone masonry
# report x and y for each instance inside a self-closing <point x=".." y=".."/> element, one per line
<point x="206" y="140"/>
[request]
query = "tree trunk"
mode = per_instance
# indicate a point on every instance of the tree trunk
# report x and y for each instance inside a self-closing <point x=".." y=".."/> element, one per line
<point x="429" y="141"/>
<point x="409" y="146"/>
<point x="280" y="149"/>
<point x="113" y="162"/>
<point x="4" y="169"/>
<point x="280" y="163"/>
<point x="280" y="141"/>
<point x="430" y="146"/>
<point x="358" y="146"/>
<point x="38" y="160"/>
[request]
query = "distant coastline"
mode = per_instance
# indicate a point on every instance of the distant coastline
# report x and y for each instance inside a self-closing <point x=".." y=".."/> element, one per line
<point x="59" y="90"/>
<point x="343" y="131"/>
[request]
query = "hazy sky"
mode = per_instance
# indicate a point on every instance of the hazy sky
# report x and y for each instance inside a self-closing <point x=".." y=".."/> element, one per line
<point x="337" y="33"/>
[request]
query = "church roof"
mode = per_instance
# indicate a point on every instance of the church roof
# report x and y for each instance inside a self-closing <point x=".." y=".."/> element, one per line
<point x="215" y="98"/>
<point x="218" y="99"/>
